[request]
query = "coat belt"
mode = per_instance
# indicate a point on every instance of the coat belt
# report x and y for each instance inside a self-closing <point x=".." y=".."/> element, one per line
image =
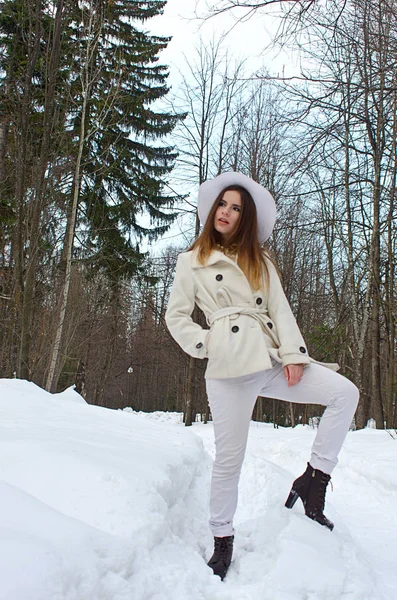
<point x="235" y="310"/>
<point x="258" y="314"/>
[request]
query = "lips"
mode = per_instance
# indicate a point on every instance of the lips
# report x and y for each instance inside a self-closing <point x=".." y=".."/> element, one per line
<point x="223" y="221"/>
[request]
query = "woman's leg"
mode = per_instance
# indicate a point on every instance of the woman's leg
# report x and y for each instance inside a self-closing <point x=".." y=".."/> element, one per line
<point x="320" y="385"/>
<point x="231" y="402"/>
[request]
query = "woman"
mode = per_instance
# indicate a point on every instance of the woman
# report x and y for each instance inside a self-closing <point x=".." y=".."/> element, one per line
<point x="254" y="347"/>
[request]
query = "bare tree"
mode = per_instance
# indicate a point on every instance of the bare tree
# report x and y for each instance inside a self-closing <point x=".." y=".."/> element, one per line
<point x="348" y="112"/>
<point x="209" y="95"/>
<point x="93" y="22"/>
<point x="252" y="6"/>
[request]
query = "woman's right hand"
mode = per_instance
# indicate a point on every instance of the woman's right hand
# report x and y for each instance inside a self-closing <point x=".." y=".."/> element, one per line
<point x="293" y="374"/>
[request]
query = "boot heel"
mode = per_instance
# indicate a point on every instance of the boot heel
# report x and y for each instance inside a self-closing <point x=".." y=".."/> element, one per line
<point x="292" y="498"/>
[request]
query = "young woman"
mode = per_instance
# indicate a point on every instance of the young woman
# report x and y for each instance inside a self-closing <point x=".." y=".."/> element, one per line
<point x="253" y="346"/>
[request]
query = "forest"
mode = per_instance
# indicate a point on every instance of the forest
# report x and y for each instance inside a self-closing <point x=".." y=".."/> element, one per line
<point x="98" y="154"/>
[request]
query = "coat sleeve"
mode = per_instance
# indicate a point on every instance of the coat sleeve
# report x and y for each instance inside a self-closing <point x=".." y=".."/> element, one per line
<point x="292" y="350"/>
<point x="189" y="335"/>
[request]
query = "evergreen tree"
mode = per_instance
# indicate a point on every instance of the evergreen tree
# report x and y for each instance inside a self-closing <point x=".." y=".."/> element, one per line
<point x="80" y="136"/>
<point x="124" y="162"/>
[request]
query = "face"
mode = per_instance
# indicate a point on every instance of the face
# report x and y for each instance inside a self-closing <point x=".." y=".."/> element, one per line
<point x="228" y="213"/>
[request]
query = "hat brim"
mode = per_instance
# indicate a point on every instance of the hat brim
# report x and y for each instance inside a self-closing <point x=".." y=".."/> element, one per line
<point x="264" y="202"/>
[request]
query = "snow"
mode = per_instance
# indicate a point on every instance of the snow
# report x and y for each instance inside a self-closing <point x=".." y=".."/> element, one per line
<point x="97" y="504"/>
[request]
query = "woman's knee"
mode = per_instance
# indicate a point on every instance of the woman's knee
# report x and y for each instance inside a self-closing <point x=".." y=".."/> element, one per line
<point x="350" y="392"/>
<point x="355" y="396"/>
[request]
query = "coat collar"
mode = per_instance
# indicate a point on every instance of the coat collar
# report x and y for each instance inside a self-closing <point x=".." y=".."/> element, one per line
<point x="215" y="257"/>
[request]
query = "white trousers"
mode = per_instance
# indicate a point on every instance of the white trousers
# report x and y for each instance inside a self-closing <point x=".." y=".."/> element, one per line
<point x="232" y="402"/>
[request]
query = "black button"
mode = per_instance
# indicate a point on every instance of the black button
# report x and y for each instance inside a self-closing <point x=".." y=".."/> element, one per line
<point x="219" y="277"/>
<point x="303" y="350"/>
<point x="270" y="325"/>
<point x="199" y="345"/>
<point x="259" y="300"/>
<point x="235" y="329"/>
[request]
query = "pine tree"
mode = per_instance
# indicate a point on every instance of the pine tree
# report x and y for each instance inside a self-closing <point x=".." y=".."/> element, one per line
<point x="119" y="167"/>
<point x="90" y="148"/>
<point x="28" y="78"/>
<point x="124" y="162"/>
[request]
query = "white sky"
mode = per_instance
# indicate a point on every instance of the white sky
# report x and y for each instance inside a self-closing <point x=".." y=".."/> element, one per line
<point x="249" y="40"/>
<point x="246" y="39"/>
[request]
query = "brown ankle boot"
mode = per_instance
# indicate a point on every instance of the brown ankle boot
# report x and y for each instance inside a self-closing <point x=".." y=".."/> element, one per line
<point x="310" y="488"/>
<point x="221" y="559"/>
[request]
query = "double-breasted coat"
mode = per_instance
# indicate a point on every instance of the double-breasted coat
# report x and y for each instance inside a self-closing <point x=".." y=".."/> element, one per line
<point x="246" y="327"/>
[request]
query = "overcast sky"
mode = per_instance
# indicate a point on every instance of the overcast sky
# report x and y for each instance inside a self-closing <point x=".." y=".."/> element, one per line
<point x="249" y="40"/>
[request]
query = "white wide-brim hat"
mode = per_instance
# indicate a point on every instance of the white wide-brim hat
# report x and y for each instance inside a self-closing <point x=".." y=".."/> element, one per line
<point x="264" y="202"/>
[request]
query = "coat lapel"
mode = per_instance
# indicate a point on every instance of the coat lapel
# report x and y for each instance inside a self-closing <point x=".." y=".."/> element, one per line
<point x="215" y="257"/>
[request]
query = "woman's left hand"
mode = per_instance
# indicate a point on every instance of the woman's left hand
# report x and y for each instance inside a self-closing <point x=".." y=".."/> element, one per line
<point x="293" y="374"/>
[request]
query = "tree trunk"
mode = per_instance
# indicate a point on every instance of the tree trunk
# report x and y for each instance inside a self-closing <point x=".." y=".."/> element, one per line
<point x="292" y="414"/>
<point x="92" y="33"/>
<point x="38" y="204"/>
<point x="68" y="250"/>
<point x="192" y="362"/>
<point x="189" y="392"/>
<point x="80" y="379"/>
<point x="23" y="298"/>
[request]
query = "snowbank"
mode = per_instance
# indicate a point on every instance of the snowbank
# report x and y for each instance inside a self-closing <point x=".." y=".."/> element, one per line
<point x="97" y="504"/>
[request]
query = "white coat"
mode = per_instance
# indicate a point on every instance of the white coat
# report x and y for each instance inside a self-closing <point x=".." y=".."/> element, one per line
<point x="246" y="327"/>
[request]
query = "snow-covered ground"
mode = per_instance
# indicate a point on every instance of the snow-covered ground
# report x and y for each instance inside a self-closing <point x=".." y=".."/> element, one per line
<point x="98" y="504"/>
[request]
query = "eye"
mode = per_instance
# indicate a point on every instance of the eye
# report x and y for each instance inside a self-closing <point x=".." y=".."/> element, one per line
<point x="222" y="203"/>
<point x="237" y="208"/>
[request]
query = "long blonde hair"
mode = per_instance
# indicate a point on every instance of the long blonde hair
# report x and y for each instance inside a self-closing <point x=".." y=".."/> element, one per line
<point x="250" y="254"/>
